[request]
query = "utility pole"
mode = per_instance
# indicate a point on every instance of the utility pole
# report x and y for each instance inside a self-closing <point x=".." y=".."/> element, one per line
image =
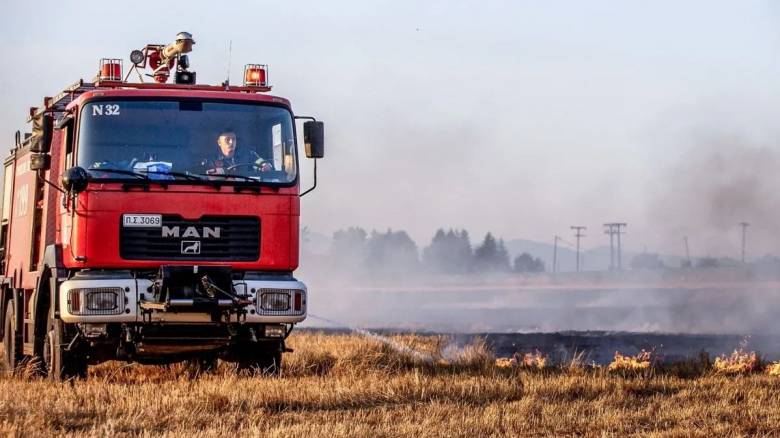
<point x="744" y="226"/>
<point x="687" y="252"/>
<point x="620" y="248"/>
<point x="578" y="234"/>
<point x="615" y="229"/>
<point x="555" y="255"/>
<point x="608" y="230"/>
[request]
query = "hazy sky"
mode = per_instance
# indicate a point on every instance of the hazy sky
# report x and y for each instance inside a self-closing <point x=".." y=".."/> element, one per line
<point x="522" y="118"/>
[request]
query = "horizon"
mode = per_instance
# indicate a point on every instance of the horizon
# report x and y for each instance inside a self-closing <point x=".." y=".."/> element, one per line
<point x="566" y="248"/>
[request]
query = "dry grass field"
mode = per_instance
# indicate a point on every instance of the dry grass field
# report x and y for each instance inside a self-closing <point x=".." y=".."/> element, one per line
<point x="347" y="385"/>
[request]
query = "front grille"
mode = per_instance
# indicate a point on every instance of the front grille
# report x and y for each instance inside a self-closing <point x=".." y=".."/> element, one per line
<point x="224" y="238"/>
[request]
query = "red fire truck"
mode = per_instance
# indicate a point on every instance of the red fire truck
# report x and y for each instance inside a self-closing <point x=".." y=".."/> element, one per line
<point x="154" y="222"/>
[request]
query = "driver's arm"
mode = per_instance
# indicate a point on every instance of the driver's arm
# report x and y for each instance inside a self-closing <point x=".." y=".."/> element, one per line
<point x="260" y="163"/>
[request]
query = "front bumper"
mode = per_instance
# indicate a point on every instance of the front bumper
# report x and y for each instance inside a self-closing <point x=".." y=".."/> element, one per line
<point x="130" y="292"/>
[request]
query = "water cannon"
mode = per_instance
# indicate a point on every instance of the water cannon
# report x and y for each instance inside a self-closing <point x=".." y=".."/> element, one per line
<point x="162" y="59"/>
<point x="183" y="44"/>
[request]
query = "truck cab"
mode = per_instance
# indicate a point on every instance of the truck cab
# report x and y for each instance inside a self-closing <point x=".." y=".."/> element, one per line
<point x="155" y="223"/>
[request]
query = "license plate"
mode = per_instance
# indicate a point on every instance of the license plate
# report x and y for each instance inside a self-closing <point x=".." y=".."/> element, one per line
<point x="142" y="220"/>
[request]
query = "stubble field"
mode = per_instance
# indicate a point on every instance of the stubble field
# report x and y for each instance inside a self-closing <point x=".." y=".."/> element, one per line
<point x="348" y="385"/>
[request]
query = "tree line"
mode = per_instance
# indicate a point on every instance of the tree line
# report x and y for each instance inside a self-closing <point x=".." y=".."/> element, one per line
<point x="449" y="252"/>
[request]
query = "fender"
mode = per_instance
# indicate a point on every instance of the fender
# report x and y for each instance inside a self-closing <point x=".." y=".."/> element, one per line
<point x="48" y="281"/>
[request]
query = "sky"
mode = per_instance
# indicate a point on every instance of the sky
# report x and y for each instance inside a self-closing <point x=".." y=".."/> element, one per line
<point x="517" y="117"/>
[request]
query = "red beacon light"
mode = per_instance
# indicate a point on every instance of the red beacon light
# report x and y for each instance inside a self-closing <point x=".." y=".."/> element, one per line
<point x="110" y="69"/>
<point x="256" y="75"/>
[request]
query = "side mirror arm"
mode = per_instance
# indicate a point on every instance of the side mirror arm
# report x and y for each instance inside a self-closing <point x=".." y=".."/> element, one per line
<point x="54" y="186"/>
<point x="315" y="181"/>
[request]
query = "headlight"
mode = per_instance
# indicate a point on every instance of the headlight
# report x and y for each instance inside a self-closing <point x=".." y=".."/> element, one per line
<point x="281" y="302"/>
<point x="275" y="301"/>
<point x="96" y="301"/>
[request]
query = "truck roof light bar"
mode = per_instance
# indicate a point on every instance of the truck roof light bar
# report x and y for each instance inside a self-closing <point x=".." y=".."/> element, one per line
<point x="156" y="86"/>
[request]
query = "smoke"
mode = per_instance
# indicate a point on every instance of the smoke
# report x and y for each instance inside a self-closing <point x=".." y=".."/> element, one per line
<point x="473" y="305"/>
<point x="716" y="184"/>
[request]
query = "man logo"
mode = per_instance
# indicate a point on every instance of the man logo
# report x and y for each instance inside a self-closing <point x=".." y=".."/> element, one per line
<point x="190" y="247"/>
<point x="205" y="233"/>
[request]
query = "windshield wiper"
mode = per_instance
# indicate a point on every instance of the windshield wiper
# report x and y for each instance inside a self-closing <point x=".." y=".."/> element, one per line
<point x="232" y="175"/>
<point x="119" y="171"/>
<point x="187" y="176"/>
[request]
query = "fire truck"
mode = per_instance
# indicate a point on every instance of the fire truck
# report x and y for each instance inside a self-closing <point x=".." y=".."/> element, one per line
<point x="154" y="220"/>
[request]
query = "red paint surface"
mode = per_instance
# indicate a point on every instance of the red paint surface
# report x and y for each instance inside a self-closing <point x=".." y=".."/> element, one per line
<point x="98" y="216"/>
<point x="91" y="230"/>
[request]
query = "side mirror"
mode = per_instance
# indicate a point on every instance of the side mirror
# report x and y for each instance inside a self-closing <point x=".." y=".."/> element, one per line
<point x="75" y="180"/>
<point x="42" y="126"/>
<point x="40" y="161"/>
<point x="314" y="139"/>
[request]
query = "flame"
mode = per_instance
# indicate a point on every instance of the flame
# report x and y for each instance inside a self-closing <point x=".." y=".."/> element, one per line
<point x="773" y="369"/>
<point x="505" y="362"/>
<point x="642" y="361"/>
<point x="534" y="359"/>
<point x="739" y="362"/>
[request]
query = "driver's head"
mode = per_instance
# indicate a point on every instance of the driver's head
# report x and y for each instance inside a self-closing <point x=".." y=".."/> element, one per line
<point x="227" y="143"/>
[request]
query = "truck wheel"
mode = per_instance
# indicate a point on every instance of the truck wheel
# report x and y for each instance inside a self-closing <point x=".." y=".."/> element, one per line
<point x="266" y="362"/>
<point x="12" y="340"/>
<point x="201" y="365"/>
<point x="61" y="364"/>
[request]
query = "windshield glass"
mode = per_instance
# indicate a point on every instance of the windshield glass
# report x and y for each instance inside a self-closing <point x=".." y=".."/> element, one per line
<point x="187" y="140"/>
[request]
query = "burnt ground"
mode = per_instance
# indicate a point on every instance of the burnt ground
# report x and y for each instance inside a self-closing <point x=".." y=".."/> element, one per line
<point x="678" y="321"/>
<point x="599" y="347"/>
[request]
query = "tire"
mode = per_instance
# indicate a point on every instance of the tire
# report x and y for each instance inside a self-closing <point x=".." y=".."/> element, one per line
<point x="61" y="364"/>
<point x="266" y="361"/>
<point x="12" y="340"/>
<point x="201" y="365"/>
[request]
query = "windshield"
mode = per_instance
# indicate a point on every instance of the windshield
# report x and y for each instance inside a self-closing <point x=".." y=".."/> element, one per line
<point x="188" y="140"/>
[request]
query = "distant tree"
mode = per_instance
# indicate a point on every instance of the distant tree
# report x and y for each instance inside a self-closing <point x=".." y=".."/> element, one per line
<point x="434" y="256"/>
<point x="392" y="252"/>
<point x="647" y="260"/>
<point x="449" y="252"/>
<point x="464" y="255"/>
<point x="348" y="249"/>
<point x="491" y="255"/>
<point x="526" y="263"/>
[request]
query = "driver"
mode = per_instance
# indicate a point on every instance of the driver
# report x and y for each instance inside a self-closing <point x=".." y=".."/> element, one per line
<point x="230" y="157"/>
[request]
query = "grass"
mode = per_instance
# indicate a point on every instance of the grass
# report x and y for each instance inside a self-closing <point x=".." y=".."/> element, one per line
<point x="346" y="385"/>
